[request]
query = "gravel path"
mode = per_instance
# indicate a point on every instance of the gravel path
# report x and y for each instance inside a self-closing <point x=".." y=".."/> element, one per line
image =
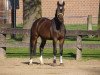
<point x="19" y="66"/>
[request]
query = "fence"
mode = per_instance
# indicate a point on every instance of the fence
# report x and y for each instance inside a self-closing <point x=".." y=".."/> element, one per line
<point x="79" y="46"/>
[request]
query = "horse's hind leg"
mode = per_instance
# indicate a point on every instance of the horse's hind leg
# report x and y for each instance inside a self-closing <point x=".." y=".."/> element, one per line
<point x="33" y="43"/>
<point x="41" y="50"/>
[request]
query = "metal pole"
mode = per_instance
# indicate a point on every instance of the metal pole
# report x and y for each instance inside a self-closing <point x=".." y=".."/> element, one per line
<point x="13" y="15"/>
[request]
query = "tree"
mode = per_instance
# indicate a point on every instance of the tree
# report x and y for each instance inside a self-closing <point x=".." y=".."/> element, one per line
<point x="34" y="10"/>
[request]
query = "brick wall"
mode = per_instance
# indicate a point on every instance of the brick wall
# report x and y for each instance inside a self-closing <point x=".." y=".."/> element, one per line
<point x="76" y="11"/>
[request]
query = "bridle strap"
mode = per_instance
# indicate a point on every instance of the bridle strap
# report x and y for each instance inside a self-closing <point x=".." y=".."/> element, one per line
<point x="61" y="14"/>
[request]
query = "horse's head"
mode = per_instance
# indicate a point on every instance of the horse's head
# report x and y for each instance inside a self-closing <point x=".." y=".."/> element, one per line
<point x="60" y="10"/>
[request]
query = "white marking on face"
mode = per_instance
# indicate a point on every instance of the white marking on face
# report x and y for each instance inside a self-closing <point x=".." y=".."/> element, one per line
<point x="60" y="7"/>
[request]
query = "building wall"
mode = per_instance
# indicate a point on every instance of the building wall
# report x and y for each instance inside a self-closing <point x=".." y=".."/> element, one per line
<point x="76" y="11"/>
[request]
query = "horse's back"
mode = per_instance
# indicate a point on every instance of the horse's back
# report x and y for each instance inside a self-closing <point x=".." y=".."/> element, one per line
<point x="41" y="27"/>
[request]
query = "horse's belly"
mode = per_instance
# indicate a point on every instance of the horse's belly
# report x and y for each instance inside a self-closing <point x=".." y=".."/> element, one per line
<point x="45" y="35"/>
<point x="44" y="31"/>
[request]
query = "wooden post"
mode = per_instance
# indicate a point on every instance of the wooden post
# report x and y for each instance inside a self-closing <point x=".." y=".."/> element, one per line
<point x="89" y="23"/>
<point x="79" y="48"/>
<point x="2" y="48"/>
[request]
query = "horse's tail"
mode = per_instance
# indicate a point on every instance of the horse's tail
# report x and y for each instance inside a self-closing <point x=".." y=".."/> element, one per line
<point x="30" y="44"/>
<point x="32" y="50"/>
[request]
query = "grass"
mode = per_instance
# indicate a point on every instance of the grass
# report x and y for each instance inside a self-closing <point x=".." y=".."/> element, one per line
<point x="91" y="54"/>
<point x="68" y="53"/>
<point x="80" y="27"/>
<point x="48" y="53"/>
<point x="17" y="52"/>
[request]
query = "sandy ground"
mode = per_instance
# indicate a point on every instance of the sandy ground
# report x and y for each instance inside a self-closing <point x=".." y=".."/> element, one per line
<point x="19" y="66"/>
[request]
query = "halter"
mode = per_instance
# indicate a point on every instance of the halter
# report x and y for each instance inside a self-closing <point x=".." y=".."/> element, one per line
<point x="61" y="19"/>
<point x="61" y="14"/>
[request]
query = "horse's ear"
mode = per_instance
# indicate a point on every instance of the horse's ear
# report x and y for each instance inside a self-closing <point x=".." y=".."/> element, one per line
<point x="63" y="3"/>
<point x="58" y="3"/>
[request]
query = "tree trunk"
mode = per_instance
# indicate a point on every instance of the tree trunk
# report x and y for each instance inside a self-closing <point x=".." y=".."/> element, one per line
<point x="34" y="13"/>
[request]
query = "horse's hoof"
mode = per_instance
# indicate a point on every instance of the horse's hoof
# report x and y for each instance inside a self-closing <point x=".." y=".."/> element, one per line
<point x="41" y="63"/>
<point x="30" y="63"/>
<point x="61" y="64"/>
<point x="54" y="61"/>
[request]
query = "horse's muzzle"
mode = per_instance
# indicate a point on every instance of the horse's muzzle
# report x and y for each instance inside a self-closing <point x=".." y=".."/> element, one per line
<point x="60" y="16"/>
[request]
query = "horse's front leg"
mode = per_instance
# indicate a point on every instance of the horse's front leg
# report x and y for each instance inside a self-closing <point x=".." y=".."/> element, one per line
<point x="41" y="50"/>
<point x="61" y="42"/>
<point x="54" y="50"/>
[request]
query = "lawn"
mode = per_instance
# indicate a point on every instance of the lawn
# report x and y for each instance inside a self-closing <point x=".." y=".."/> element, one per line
<point x="48" y="53"/>
<point x="79" y="27"/>
<point x="68" y="53"/>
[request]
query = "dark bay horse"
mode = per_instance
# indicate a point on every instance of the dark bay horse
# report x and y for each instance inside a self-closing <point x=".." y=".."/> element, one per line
<point x="49" y="30"/>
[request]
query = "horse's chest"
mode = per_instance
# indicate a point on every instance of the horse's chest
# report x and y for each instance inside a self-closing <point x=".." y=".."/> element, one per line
<point x="60" y="35"/>
<point x="57" y="32"/>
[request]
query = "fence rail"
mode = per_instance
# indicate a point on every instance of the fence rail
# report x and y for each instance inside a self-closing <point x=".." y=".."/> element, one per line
<point x="14" y="31"/>
<point x="78" y="45"/>
<point x="68" y="32"/>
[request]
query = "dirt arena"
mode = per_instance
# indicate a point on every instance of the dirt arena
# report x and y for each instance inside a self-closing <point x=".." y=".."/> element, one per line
<point x="19" y="66"/>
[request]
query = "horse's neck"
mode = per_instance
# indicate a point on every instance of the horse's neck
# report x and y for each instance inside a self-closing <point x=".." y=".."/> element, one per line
<point x="59" y="25"/>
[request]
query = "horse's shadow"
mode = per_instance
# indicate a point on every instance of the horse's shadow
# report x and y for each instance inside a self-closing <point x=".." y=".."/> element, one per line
<point x="27" y="63"/>
<point x="37" y="63"/>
